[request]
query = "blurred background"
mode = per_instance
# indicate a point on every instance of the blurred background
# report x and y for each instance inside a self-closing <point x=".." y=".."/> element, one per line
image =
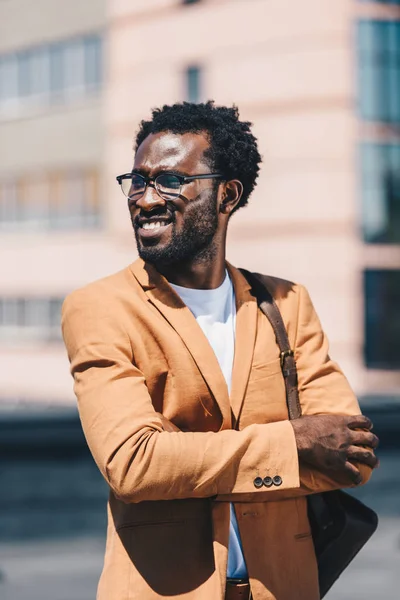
<point x="320" y="80"/>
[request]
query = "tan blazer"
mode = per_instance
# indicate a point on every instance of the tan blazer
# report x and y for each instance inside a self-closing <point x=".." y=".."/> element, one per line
<point x="135" y="350"/>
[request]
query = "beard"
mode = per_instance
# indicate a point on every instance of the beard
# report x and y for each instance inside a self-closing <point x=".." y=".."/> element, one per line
<point x="195" y="242"/>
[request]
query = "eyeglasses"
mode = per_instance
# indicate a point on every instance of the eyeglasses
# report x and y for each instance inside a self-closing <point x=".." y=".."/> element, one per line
<point x="167" y="185"/>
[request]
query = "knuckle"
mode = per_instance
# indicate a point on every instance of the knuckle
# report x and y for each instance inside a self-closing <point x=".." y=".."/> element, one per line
<point x="373" y="440"/>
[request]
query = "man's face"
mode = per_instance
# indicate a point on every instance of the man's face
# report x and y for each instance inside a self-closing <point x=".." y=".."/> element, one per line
<point x="189" y="222"/>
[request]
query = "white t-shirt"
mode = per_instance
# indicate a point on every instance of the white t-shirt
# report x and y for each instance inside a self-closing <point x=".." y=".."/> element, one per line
<point x="215" y="312"/>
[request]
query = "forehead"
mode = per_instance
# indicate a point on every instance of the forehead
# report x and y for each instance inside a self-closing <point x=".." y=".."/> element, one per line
<point x="166" y="150"/>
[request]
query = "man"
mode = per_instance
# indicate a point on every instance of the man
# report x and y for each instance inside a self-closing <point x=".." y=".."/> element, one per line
<point x="180" y="390"/>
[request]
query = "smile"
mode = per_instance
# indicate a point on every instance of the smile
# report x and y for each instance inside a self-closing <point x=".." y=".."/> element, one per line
<point x="149" y="229"/>
<point x="153" y="225"/>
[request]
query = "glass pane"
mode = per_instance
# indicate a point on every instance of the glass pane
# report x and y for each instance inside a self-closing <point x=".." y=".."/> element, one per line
<point x="54" y="332"/>
<point x="24" y="73"/>
<point x="75" y="66"/>
<point x="8" y="202"/>
<point x="57" y="69"/>
<point x="93" y="62"/>
<point x="193" y="84"/>
<point x="38" y="313"/>
<point x="382" y="1"/>
<point x="37" y="200"/>
<point x="380" y="191"/>
<point x="40" y="72"/>
<point x="379" y="70"/>
<point x="8" y="78"/>
<point x="382" y="319"/>
<point x="12" y="312"/>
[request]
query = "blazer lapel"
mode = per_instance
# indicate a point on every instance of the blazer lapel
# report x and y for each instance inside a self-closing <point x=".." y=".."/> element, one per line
<point x="246" y="331"/>
<point x="178" y="315"/>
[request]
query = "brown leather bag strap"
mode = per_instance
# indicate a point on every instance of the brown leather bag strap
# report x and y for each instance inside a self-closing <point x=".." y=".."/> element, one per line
<point x="268" y="306"/>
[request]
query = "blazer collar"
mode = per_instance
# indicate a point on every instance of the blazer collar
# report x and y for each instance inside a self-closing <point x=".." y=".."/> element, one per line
<point x="178" y="315"/>
<point x="245" y="339"/>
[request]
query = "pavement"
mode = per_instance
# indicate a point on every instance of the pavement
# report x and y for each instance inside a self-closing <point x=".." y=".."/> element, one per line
<point x="59" y="492"/>
<point x="69" y="570"/>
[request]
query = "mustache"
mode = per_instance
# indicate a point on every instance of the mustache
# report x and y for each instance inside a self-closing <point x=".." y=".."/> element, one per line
<point x="167" y="212"/>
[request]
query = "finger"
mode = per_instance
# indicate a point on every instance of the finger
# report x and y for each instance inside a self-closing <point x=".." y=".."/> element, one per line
<point x="359" y="421"/>
<point x="364" y="438"/>
<point x="361" y="455"/>
<point x="353" y="473"/>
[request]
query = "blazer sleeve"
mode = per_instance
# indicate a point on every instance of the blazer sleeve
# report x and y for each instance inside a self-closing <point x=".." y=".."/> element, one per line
<point x="323" y="389"/>
<point x="137" y="457"/>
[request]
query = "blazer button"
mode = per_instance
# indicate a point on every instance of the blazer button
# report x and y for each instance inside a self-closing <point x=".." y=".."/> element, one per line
<point x="277" y="480"/>
<point x="267" y="481"/>
<point x="258" y="482"/>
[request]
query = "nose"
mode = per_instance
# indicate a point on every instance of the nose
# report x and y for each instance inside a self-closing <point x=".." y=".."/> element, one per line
<point x="150" y="199"/>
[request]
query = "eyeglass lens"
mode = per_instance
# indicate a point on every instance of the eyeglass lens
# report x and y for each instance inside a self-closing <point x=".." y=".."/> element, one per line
<point x="167" y="185"/>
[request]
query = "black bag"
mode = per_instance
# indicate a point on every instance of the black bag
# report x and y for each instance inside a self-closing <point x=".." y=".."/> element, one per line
<point x="340" y="523"/>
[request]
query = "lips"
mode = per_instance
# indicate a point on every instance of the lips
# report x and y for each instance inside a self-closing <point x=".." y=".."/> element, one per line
<point x="152" y="228"/>
<point x="152" y="225"/>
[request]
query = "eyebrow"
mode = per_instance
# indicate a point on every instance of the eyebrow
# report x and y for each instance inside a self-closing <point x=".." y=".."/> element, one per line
<point x="145" y="172"/>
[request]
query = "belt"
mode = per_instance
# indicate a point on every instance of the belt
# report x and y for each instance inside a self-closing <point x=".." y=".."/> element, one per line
<point x="237" y="589"/>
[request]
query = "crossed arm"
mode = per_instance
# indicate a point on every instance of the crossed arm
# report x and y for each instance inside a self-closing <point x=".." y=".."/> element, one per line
<point x="141" y="459"/>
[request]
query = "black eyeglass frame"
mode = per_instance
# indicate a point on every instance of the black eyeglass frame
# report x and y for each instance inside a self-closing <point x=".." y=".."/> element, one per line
<point x="151" y="181"/>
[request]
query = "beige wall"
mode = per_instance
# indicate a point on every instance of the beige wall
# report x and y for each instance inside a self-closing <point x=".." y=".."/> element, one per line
<point x="59" y="137"/>
<point x="288" y="68"/>
<point x="25" y="23"/>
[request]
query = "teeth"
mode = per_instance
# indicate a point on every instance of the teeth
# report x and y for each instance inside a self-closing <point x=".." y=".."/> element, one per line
<point x="153" y="225"/>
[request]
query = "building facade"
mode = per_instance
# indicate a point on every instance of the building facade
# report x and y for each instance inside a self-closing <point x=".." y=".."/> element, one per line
<point x="51" y="200"/>
<point x="320" y="80"/>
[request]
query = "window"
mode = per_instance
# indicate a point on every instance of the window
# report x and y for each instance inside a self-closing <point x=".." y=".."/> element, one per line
<point x="55" y="72"/>
<point x="382" y="319"/>
<point x="380" y="192"/>
<point x="382" y="1"/>
<point x="56" y="200"/>
<point x="379" y="70"/>
<point x="193" y="84"/>
<point x="40" y="73"/>
<point x="8" y="78"/>
<point x="30" y="319"/>
<point x="8" y="201"/>
<point x="34" y="73"/>
<point x="74" y="65"/>
<point x="56" y="68"/>
<point x="93" y="62"/>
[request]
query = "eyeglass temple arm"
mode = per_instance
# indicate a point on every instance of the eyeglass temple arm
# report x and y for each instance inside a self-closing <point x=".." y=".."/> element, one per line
<point x="205" y="176"/>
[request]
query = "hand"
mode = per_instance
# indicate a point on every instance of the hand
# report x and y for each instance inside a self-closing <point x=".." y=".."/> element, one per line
<point x="332" y="442"/>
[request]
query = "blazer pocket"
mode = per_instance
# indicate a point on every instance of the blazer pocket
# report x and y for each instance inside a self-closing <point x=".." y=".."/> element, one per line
<point x="303" y="536"/>
<point x="265" y="399"/>
<point x="263" y="370"/>
<point x="134" y="524"/>
<point x="173" y="558"/>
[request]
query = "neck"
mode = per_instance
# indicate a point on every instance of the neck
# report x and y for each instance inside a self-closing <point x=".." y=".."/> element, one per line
<point x="199" y="275"/>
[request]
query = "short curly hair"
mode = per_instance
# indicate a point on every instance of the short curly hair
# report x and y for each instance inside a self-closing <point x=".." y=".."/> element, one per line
<point x="233" y="148"/>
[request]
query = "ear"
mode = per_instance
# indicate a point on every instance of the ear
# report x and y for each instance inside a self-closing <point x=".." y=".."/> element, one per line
<point x="232" y="191"/>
